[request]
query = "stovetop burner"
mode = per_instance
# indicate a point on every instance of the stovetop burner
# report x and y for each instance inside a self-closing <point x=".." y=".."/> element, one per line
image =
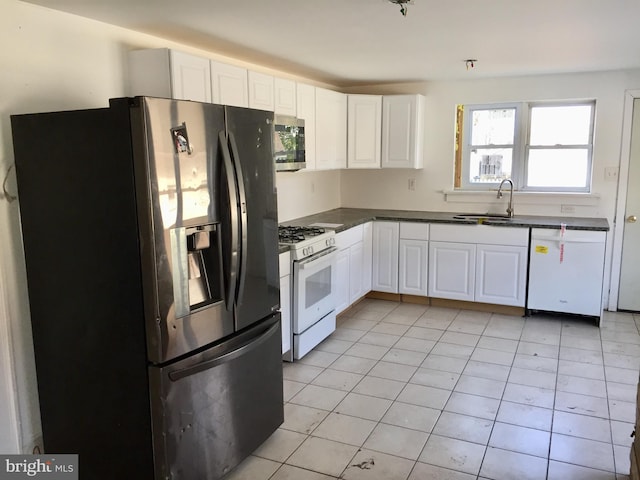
<point x="295" y="234"/>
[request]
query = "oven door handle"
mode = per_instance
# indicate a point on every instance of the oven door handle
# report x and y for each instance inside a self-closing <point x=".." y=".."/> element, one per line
<point x="309" y="261"/>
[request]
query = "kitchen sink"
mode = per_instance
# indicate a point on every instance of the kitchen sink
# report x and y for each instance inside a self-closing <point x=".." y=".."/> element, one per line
<point x="481" y="218"/>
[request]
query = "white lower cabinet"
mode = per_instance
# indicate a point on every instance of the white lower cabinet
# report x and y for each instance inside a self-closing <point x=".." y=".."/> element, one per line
<point x="452" y="270"/>
<point x="493" y="269"/>
<point x="285" y="300"/>
<point x="342" y="280"/>
<point x="501" y="272"/>
<point x="356" y="262"/>
<point x="386" y="236"/>
<point x="367" y="257"/>
<point x="353" y="265"/>
<point x="413" y="258"/>
<point x="400" y="257"/>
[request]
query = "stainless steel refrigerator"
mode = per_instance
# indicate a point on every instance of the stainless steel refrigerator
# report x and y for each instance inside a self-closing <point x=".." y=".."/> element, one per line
<point x="150" y="240"/>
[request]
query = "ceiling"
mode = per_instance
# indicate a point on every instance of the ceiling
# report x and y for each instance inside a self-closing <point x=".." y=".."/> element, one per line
<point x="355" y="42"/>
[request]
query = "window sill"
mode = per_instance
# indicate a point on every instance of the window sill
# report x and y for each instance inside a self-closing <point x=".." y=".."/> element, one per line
<point x="526" y="198"/>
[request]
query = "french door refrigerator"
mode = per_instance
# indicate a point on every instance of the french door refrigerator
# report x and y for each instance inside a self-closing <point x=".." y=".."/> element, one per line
<point x="151" y="248"/>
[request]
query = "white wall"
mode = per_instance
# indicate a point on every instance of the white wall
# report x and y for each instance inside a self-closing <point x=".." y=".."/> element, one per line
<point x="306" y="192"/>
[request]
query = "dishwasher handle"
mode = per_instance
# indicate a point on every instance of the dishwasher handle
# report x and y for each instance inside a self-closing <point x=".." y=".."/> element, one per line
<point x="566" y="240"/>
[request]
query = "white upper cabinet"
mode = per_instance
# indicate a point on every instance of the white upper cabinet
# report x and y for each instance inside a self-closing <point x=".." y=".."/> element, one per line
<point x="161" y="72"/>
<point x="261" y="91"/>
<point x="364" y="131"/>
<point x="331" y="129"/>
<point x="306" y="110"/>
<point x="285" y="96"/>
<point x="229" y="84"/>
<point x="402" y="131"/>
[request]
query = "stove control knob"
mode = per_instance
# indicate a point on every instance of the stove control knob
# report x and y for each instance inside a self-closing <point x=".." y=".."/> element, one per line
<point x="331" y="241"/>
<point x="305" y="251"/>
<point x="310" y="249"/>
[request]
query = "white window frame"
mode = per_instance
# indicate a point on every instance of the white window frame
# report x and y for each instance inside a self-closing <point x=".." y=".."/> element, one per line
<point x="521" y="146"/>
<point x="467" y="147"/>
<point x="589" y="146"/>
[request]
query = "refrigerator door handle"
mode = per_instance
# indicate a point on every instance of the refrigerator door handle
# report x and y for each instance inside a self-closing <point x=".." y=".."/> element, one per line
<point x="233" y="205"/>
<point x="243" y="217"/>
<point x="246" y="347"/>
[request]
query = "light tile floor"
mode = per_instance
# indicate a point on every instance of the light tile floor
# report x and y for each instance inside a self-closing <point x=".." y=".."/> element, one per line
<point x="409" y="392"/>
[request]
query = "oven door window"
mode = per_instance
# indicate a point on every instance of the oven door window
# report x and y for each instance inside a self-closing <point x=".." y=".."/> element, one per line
<point x="317" y="287"/>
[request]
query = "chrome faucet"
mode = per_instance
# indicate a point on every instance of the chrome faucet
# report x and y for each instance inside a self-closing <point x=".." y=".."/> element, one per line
<point x="510" y="207"/>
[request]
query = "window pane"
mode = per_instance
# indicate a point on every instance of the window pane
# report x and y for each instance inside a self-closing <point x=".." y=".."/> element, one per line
<point x="561" y="125"/>
<point x="490" y="165"/>
<point x="493" y="127"/>
<point x="558" y="168"/>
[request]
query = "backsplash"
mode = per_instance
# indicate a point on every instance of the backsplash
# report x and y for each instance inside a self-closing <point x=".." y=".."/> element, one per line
<point x="307" y="192"/>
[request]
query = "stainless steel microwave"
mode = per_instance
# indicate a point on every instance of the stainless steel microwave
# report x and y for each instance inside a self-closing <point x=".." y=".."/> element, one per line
<point x="288" y="143"/>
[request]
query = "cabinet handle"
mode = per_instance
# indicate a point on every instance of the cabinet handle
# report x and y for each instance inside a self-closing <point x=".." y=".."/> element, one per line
<point x="632" y="219"/>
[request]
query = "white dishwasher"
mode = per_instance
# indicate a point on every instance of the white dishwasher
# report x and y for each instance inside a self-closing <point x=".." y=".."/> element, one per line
<point x="566" y="270"/>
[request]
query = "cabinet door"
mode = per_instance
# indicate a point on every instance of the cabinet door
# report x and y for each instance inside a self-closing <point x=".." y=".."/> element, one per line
<point x="385" y="256"/>
<point x="284" y="96"/>
<point x="364" y="131"/>
<point x="402" y="131"/>
<point x="285" y="311"/>
<point x="261" y="91"/>
<point x="356" y="260"/>
<point x="342" y="280"/>
<point x="501" y="273"/>
<point x="229" y="85"/>
<point x="306" y="107"/>
<point x="331" y="129"/>
<point x="367" y="256"/>
<point x="190" y="77"/>
<point x="452" y="270"/>
<point x="413" y="267"/>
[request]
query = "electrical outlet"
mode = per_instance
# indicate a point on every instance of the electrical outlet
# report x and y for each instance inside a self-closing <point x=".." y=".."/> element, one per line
<point x="611" y="173"/>
<point x="567" y="208"/>
<point x="412" y="184"/>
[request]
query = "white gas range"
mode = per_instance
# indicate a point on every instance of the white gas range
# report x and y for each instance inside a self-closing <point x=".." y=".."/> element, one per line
<point x="313" y="256"/>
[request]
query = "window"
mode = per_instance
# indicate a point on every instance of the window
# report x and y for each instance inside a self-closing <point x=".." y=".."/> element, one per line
<point x="539" y="146"/>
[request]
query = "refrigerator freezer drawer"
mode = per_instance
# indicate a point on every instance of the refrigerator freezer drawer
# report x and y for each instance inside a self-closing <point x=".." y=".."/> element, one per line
<point x="566" y="273"/>
<point x="216" y="408"/>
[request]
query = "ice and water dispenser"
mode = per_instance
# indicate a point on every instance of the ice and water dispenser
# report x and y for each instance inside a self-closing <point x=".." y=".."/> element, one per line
<point x="197" y="272"/>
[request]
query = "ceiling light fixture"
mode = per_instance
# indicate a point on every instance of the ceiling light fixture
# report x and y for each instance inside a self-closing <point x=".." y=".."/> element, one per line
<point x="470" y="63"/>
<point x="403" y="5"/>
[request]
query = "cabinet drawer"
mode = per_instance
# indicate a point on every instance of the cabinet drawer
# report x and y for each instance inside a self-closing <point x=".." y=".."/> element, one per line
<point x="414" y="231"/>
<point x="285" y="264"/>
<point x="349" y="237"/>
<point x="480" y="234"/>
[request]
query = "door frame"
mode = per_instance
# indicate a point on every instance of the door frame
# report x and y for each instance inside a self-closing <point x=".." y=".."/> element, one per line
<point x="621" y="202"/>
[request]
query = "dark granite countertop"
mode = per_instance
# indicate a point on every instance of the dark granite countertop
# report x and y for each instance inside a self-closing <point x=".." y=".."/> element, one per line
<point x="350" y="217"/>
